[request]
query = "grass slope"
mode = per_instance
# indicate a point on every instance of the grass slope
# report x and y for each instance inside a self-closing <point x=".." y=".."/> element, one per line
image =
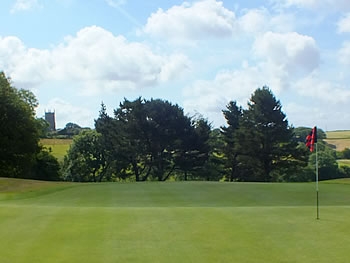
<point x="173" y="222"/>
<point x="340" y="139"/>
<point x="58" y="147"/>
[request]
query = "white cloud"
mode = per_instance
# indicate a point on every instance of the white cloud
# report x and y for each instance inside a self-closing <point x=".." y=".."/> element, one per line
<point x="344" y="24"/>
<point x="255" y="21"/>
<point x="320" y="114"/>
<point x="280" y="60"/>
<point x="314" y="87"/>
<point x="303" y="3"/>
<point x="93" y="56"/>
<point x="326" y="102"/>
<point x="25" y="65"/>
<point x="24" y="5"/>
<point x="192" y="21"/>
<point x="209" y="97"/>
<point x="291" y="52"/>
<point x="329" y="5"/>
<point x="303" y="114"/>
<point x="344" y="53"/>
<point x="67" y="112"/>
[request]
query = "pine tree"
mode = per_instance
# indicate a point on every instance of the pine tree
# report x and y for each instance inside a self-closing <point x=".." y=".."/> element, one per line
<point x="264" y="139"/>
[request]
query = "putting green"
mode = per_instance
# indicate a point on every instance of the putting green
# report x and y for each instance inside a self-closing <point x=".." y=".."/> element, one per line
<point x="174" y="222"/>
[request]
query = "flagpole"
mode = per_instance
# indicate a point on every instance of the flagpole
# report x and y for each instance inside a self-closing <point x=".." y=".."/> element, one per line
<point x="317" y="190"/>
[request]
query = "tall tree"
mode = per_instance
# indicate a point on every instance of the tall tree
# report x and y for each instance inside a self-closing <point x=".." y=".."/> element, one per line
<point x="265" y="140"/>
<point x="153" y="138"/>
<point x="215" y="167"/>
<point x="133" y="141"/>
<point x="19" y="135"/>
<point x="193" y="156"/>
<point x="110" y="140"/>
<point x="233" y="115"/>
<point x="167" y="128"/>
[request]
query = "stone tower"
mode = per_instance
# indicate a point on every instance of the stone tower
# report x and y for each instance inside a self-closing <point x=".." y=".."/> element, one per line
<point x="50" y="118"/>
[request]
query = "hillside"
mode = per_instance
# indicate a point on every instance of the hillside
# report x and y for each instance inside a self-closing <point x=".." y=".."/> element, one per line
<point x="58" y="147"/>
<point x="338" y="139"/>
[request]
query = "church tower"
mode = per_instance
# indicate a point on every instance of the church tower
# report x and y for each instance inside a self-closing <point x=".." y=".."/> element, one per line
<point x="50" y="118"/>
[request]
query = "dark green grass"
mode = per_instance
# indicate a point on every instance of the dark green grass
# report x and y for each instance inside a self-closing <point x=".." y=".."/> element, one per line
<point x="181" y="194"/>
<point x="174" y="222"/>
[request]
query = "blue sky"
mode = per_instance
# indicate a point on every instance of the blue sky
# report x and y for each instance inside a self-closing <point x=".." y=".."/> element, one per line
<point x="74" y="54"/>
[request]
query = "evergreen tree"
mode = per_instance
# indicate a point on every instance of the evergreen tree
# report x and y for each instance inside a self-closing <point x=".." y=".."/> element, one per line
<point x="233" y="115"/>
<point x="264" y="139"/>
<point x="192" y="159"/>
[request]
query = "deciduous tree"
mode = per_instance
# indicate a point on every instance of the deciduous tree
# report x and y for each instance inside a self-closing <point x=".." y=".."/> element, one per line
<point x="19" y="134"/>
<point x="85" y="160"/>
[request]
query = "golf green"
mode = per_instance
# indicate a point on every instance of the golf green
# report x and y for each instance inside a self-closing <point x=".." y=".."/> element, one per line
<point x="173" y="222"/>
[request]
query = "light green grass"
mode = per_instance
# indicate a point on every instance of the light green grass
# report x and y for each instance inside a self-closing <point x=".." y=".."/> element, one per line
<point x="338" y="134"/>
<point x="344" y="162"/>
<point x="339" y="139"/>
<point x="58" y="147"/>
<point x="174" y="222"/>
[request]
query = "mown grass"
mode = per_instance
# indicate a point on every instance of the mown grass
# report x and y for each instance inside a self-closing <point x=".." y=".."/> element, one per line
<point x="175" y="222"/>
<point x="58" y="147"/>
<point x="11" y="188"/>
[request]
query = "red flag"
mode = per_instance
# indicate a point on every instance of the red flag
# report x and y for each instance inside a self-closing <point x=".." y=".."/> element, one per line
<point x="311" y="139"/>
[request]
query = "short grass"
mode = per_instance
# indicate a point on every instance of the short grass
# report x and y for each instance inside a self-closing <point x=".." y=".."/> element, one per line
<point x="173" y="222"/>
<point x="58" y="147"/>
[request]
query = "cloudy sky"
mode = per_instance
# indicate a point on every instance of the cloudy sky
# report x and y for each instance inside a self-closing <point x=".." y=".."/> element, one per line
<point x="74" y="54"/>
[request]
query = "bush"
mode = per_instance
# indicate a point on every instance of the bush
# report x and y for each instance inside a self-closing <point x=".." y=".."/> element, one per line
<point x="344" y="172"/>
<point x="46" y="167"/>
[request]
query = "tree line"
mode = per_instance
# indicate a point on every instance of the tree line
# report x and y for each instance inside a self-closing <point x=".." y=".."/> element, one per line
<point x="155" y="140"/>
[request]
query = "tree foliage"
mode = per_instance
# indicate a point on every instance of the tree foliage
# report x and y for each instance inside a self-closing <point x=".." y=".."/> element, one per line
<point x="46" y="167"/>
<point x="20" y="153"/>
<point x="18" y="131"/>
<point x="154" y="140"/>
<point x="233" y="115"/>
<point x="300" y="134"/>
<point x="85" y="160"/>
<point x="70" y="130"/>
<point x="260" y="141"/>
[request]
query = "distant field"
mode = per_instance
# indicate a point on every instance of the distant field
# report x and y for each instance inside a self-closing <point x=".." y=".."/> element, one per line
<point x="338" y="135"/>
<point x="344" y="162"/>
<point x="340" y="139"/>
<point x="59" y="147"/>
<point x="173" y="222"/>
